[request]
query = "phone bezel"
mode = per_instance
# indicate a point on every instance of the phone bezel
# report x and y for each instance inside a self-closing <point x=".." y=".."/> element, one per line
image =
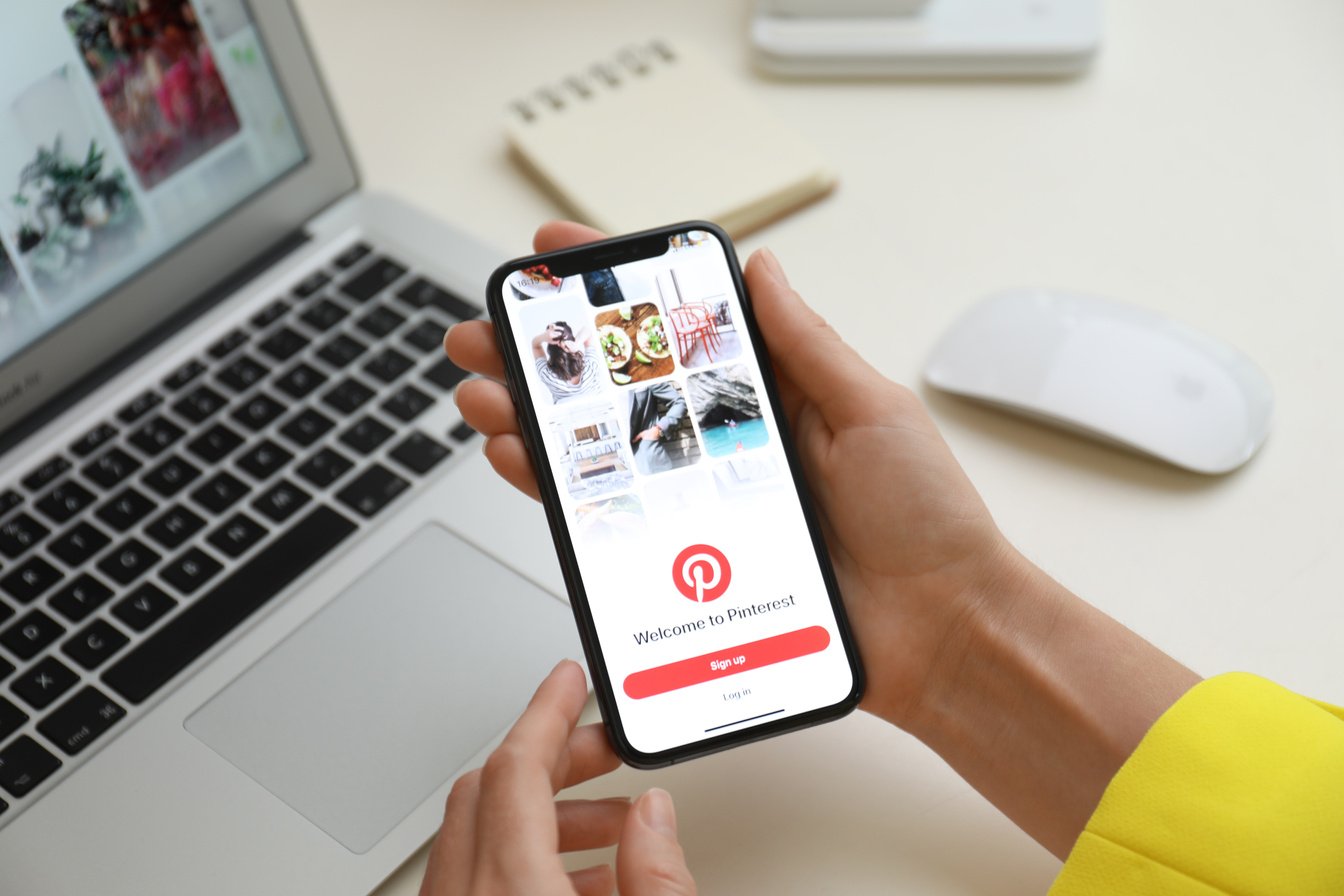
<point x="608" y="253"/>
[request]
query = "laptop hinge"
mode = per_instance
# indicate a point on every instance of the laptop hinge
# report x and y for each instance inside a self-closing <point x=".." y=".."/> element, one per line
<point x="240" y="277"/>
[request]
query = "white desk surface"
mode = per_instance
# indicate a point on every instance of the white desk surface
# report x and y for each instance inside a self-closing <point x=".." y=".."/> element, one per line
<point x="1196" y="170"/>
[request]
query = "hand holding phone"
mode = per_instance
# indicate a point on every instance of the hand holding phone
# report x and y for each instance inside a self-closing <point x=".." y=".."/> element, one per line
<point x="668" y="473"/>
<point x="914" y="548"/>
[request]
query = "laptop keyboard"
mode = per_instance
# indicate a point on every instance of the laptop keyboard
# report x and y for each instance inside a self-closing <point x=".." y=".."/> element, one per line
<point x="156" y="533"/>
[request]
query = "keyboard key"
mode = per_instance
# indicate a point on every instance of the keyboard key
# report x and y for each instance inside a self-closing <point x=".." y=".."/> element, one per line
<point x="264" y="460"/>
<point x="311" y="284"/>
<point x="171" y="476"/>
<point x="220" y="493"/>
<point x="352" y="255"/>
<point x="19" y="533"/>
<point x="427" y="336"/>
<point x="421" y="292"/>
<point x="237" y="535"/>
<point x="64" y="501"/>
<point x="190" y="571"/>
<point x="200" y="404"/>
<point x="174" y="526"/>
<point x="419" y="453"/>
<point x="215" y="444"/>
<point x="44" y="681"/>
<point x="11" y="717"/>
<point x="125" y="510"/>
<point x="347" y="396"/>
<point x="281" y="501"/>
<point x="30" y="634"/>
<point x="380" y="321"/>
<point x="283" y="344"/>
<point x="80" y="598"/>
<point x="45" y="473"/>
<point x="365" y="435"/>
<point x="183" y="375"/>
<point x="300" y="380"/>
<point x="27" y="582"/>
<point x="324" y="467"/>
<point x="112" y="468"/>
<point x="139" y="406"/>
<point x="5" y="613"/>
<point x="242" y="374"/>
<point x="373" y="279"/>
<point x="463" y="432"/>
<point x="445" y="374"/>
<point x="341" y="350"/>
<point x="128" y="561"/>
<point x="144" y="606"/>
<point x="93" y="439"/>
<point x="324" y="315"/>
<point x="9" y="499"/>
<point x="214" y="614"/>
<point x="24" y="764"/>
<point x="156" y="436"/>
<point x="80" y="720"/>
<point x="227" y="343"/>
<point x="270" y="314"/>
<point x="80" y="542"/>
<point x="95" y="643"/>
<point x="306" y="427"/>
<point x="258" y="411"/>
<point x="408" y="403"/>
<point x="372" y="490"/>
<point x="388" y="365"/>
<point x="6" y="667"/>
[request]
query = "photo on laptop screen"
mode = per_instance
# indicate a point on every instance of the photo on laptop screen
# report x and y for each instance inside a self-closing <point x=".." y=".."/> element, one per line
<point x="155" y="74"/>
<point x="71" y="213"/>
<point x="126" y="126"/>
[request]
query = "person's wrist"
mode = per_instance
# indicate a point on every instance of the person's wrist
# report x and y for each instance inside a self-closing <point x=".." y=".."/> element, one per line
<point x="970" y="604"/>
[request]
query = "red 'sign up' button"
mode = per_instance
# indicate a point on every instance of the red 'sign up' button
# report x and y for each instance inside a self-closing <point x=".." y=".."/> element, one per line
<point x="729" y="661"/>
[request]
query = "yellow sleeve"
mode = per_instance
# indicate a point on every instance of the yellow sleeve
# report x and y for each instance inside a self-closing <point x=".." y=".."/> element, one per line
<point x="1237" y="790"/>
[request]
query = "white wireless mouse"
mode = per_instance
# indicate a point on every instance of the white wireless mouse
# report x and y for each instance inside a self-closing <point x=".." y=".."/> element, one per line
<point x="1112" y="371"/>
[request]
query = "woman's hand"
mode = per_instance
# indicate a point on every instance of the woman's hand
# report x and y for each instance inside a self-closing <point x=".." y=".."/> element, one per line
<point x="503" y="831"/>
<point x="909" y="536"/>
<point x="1034" y="696"/>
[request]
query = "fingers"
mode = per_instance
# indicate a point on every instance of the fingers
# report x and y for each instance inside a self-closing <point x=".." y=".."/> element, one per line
<point x="488" y="407"/>
<point x="508" y="455"/>
<point x="598" y="880"/>
<point x="649" y="861"/>
<point x="555" y="235"/>
<point x="590" y="755"/>
<point x="808" y="353"/>
<point x="471" y="346"/>
<point x="451" y="856"/>
<point x="590" y="824"/>
<point x="516" y="833"/>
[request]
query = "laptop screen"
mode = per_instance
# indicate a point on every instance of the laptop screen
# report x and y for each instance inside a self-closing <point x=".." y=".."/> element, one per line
<point x="126" y="126"/>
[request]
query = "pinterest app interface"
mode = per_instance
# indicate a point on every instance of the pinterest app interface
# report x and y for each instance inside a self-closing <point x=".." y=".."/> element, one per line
<point x="703" y="583"/>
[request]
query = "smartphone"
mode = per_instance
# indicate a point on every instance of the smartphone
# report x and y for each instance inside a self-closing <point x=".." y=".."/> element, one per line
<point x="704" y="595"/>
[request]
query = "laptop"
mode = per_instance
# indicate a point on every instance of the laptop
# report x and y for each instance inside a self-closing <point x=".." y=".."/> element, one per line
<point x="260" y="597"/>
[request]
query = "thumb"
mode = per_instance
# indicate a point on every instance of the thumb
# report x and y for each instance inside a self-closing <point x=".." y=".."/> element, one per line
<point x="649" y="861"/>
<point x="804" y="347"/>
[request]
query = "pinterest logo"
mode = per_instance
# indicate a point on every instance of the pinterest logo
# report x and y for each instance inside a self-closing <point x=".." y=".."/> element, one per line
<point x="701" y="573"/>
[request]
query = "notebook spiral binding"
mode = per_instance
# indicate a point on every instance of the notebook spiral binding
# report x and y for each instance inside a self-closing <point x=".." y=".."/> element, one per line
<point x="635" y="61"/>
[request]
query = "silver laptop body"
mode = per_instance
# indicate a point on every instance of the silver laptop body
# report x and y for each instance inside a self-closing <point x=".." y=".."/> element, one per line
<point x="241" y="649"/>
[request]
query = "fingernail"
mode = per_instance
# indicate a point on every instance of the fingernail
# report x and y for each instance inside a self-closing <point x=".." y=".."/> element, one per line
<point x="656" y="810"/>
<point x="773" y="266"/>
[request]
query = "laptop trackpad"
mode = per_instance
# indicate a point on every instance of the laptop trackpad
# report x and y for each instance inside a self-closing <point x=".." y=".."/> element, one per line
<point x="361" y="713"/>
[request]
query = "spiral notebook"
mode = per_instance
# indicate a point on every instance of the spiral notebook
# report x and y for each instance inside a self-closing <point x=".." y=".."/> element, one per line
<point x="657" y="134"/>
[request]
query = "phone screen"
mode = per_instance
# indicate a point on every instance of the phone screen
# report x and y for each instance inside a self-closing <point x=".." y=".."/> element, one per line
<point x="709" y="600"/>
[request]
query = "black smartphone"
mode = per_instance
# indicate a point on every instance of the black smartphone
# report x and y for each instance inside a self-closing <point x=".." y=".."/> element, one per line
<point x="704" y="595"/>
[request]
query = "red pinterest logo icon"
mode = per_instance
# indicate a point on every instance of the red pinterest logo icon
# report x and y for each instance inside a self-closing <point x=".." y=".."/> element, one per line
<point x="701" y="573"/>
